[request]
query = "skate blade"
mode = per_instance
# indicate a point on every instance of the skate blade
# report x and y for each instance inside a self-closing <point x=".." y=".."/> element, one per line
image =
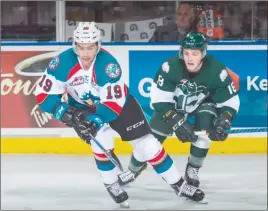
<point x="203" y="201"/>
<point x="124" y="204"/>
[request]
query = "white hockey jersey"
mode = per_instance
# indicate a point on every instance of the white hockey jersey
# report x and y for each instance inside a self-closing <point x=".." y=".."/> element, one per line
<point x="99" y="88"/>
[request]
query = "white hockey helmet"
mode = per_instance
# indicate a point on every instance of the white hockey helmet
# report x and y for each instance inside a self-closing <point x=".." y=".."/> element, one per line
<point x="86" y="32"/>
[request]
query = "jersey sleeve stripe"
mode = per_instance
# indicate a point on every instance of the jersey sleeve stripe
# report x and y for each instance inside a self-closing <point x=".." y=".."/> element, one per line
<point x="74" y="70"/>
<point x="235" y="78"/>
<point x="114" y="107"/>
<point x="41" y="98"/>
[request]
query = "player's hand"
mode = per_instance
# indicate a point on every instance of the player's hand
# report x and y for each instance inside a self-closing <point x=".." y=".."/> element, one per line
<point x="88" y="126"/>
<point x="72" y="116"/>
<point x="83" y="121"/>
<point x="86" y="129"/>
<point x="182" y="129"/>
<point x="221" y="123"/>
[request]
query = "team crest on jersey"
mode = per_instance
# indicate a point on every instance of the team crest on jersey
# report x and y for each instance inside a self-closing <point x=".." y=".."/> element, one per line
<point x="188" y="87"/>
<point x="189" y="95"/>
<point x="54" y="63"/>
<point x="90" y="99"/>
<point x="112" y="70"/>
<point x="78" y="80"/>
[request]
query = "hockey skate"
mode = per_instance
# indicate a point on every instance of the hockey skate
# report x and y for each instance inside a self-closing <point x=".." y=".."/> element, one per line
<point x="191" y="175"/>
<point x="189" y="192"/>
<point x="128" y="176"/>
<point x="118" y="194"/>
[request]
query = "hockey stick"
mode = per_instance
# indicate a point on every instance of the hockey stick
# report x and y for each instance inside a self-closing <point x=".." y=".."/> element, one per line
<point x="237" y="131"/>
<point x="107" y="153"/>
<point x="232" y="131"/>
<point x="247" y="130"/>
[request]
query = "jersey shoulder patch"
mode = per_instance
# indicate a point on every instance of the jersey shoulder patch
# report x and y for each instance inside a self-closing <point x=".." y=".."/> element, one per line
<point x="165" y="67"/>
<point x="112" y="70"/>
<point x="54" y="63"/>
<point x="107" y="68"/>
<point x="61" y="65"/>
<point x="169" y="64"/>
<point x="223" y="75"/>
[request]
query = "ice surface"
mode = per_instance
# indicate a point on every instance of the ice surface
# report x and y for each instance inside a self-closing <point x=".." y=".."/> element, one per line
<point x="66" y="182"/>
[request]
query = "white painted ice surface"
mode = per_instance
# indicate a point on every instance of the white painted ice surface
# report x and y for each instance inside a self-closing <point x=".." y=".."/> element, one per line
<point x="66" y="182"/>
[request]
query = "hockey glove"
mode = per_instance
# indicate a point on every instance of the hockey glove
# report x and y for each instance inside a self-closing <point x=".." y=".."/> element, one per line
<point x="221" y="123"/>
<point x="82" y="120"/>
<point x="182" y="129"/>
<point x="85" y="128"/>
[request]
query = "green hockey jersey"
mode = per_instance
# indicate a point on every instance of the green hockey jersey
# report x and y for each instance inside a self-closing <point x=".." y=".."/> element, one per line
<point x="177" y="89"/>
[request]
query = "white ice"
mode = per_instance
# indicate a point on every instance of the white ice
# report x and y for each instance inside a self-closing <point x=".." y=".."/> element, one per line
<point x="67" y="182"/>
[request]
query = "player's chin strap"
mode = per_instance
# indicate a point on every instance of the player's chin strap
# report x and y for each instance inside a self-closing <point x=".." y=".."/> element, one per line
<point x="108" y="153"/>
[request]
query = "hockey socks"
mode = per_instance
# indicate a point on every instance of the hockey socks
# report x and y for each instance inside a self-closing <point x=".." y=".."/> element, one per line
<point x="199" y="150"/>
<point x="107" y="169"/>
<point x="164" y="166"/>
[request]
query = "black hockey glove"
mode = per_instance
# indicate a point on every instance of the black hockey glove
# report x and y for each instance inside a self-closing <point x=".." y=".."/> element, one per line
<point x="86" y="128"/>
<point x="182" y="129"/>
<point x="221" y="123"/>
<point x="79" y="119"/>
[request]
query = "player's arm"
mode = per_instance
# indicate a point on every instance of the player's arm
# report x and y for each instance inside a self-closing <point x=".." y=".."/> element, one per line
<point x="113" y="93"/>
<point x="162" y="90"/>
<point x="49" y="93"/>
<point x="162" y="94"/>
<point x="225" y="91"/>
<point x="225" y="95"/>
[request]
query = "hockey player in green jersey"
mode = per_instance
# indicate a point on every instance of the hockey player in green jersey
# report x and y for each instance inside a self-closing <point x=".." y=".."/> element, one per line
<point x="193" y="85"/>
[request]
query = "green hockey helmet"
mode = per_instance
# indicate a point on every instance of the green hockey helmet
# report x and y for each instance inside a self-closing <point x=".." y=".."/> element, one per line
<point x="194" y="40"/>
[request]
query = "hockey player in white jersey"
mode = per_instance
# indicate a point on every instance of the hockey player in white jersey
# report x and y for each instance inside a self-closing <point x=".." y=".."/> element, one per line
<point x="97" y="96"/>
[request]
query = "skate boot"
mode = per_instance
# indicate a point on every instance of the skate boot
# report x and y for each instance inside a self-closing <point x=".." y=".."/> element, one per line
<point x="191" y="175"/>
<point x="189" y="192"/>
<point x="129" y="176"/>
<point x="118" y="194"/>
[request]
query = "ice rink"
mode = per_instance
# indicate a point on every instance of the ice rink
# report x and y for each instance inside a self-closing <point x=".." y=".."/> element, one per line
<point x="64" y="182"/>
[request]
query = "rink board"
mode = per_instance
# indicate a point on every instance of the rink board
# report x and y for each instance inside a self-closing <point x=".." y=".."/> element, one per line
<point x="132" y="57"/>
<point x="233" y="145"/>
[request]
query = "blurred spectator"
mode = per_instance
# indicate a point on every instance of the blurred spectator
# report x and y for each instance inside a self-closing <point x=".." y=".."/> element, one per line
<point x="210" y="23"/>
<point x="237" y="20"/>
<point x="28" y="20"/>
<point x="185" y="22"/>
<point x="260" y="17"/>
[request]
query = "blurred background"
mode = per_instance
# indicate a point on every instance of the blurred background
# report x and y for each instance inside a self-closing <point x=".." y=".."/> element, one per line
<point x="134" y="21"/>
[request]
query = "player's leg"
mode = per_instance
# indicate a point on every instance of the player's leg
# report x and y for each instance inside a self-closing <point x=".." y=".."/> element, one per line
<point x="132" y="126"/>
<point x="160" y="128"/>
<point x="148" y="149"/>
<point x="160" y="132"/>
<point x="108" y="170"/>
<point x="204" y="117"/>
<point x="105" y="137"/>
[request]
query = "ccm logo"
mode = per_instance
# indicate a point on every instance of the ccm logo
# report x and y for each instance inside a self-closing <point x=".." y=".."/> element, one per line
<point x="135" y="125"/>
<point x="178" y="124"/>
